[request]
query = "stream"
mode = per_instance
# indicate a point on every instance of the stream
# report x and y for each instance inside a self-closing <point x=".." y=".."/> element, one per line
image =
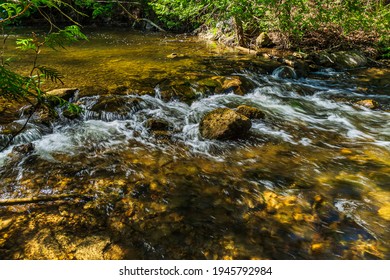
<point x="311" y="180"/>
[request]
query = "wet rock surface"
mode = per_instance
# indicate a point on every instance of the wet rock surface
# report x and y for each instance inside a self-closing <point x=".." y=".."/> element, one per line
<point x="223" y="124"/>
<point x="250" y="112"/>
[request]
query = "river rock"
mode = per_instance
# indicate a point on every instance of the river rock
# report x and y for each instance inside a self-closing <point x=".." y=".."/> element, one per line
<point x="24" y="148"/>
<point x="11" y="128"/>
<point x="45" y="116"/>
<point x="263" y="41"/>
<point x="156" y="124"/>
<point x="116" y="104"/>
<point x="250" y="112"/>
<point x="8" y="111"/>
<point x="67" y="94"/>
<point x="285" y="72"/>
<point x="223" y="124"/>
<point x="234" y="84"/>
<point x="226" y="84"/>
<point x="339" y="60"/>
<point x="368" y="103"/>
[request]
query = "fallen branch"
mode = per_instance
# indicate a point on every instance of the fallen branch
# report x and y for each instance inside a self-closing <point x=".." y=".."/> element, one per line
<point x="139" y="19"/>
<point x="37" y="199"/>
<point x="246" y="50"/>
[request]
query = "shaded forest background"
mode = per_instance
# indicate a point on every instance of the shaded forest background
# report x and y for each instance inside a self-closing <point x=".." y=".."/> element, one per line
<point x="297" y="24"/>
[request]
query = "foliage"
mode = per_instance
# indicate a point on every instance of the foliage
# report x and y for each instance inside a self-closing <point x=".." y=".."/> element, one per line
<point x="293" y="18"/>
<point x="27" y="88"/>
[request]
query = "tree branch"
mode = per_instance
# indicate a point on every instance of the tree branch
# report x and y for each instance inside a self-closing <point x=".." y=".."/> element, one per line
<point x="138" y="19"/>
<point x="17" y="15"/>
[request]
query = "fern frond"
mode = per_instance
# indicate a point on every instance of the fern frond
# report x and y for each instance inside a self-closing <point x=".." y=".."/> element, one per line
<point x="12" y="84"/>
<point x="50" y="74"/>
<point x="64" y="37"/>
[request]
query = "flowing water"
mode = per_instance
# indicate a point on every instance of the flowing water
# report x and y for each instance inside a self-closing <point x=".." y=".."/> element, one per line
<point x="311" y="181"/>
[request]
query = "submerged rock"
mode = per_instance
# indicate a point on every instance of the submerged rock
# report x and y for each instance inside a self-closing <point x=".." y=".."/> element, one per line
<point x="250" y="112"/>
<point x="223" y="124"/>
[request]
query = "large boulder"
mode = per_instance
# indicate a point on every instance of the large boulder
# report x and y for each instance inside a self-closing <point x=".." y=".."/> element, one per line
<point x="224" y="124"/>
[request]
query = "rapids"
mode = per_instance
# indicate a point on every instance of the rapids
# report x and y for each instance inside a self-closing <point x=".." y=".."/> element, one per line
<point x="311" y="181"/>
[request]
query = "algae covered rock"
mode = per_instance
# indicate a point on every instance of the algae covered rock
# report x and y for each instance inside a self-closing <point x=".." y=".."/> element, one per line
<point x="223" y="124"/>
<point x="250" y="112"/>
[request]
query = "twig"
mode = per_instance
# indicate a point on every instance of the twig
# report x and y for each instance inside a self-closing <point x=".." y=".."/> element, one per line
<point x="37" y="199"/>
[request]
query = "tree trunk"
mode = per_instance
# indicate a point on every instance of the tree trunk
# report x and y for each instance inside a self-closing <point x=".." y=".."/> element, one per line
<point x="239" y="31"/>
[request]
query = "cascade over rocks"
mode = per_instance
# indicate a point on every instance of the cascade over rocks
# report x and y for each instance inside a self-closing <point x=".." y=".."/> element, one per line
<point x="340" y="60"/>
<point x="116" y="104"/>
<point x="224" y="124"/>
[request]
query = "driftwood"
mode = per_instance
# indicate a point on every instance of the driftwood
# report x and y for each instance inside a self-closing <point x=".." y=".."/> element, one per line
<point x="37" y="199"/>
<point x="246" y="50"/>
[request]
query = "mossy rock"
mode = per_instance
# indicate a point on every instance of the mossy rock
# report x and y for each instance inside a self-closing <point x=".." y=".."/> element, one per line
<point x="10" y="128"/>
<point x="368" y="103"/>
<point x="250" y="112"/>
<point x="9" y="111"/>
<point x="157" y="124"/>
<point x="224" y="124"/>
<point x="116" y="104"/>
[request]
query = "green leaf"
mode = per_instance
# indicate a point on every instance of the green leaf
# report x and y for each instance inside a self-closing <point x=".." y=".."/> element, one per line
<point x="50" y="74"/>
<point x="65" y="37"/>
<point x="26" y="44"/>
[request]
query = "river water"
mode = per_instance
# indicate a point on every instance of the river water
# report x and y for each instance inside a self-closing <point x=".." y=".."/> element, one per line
<point x="311" y="181"/>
